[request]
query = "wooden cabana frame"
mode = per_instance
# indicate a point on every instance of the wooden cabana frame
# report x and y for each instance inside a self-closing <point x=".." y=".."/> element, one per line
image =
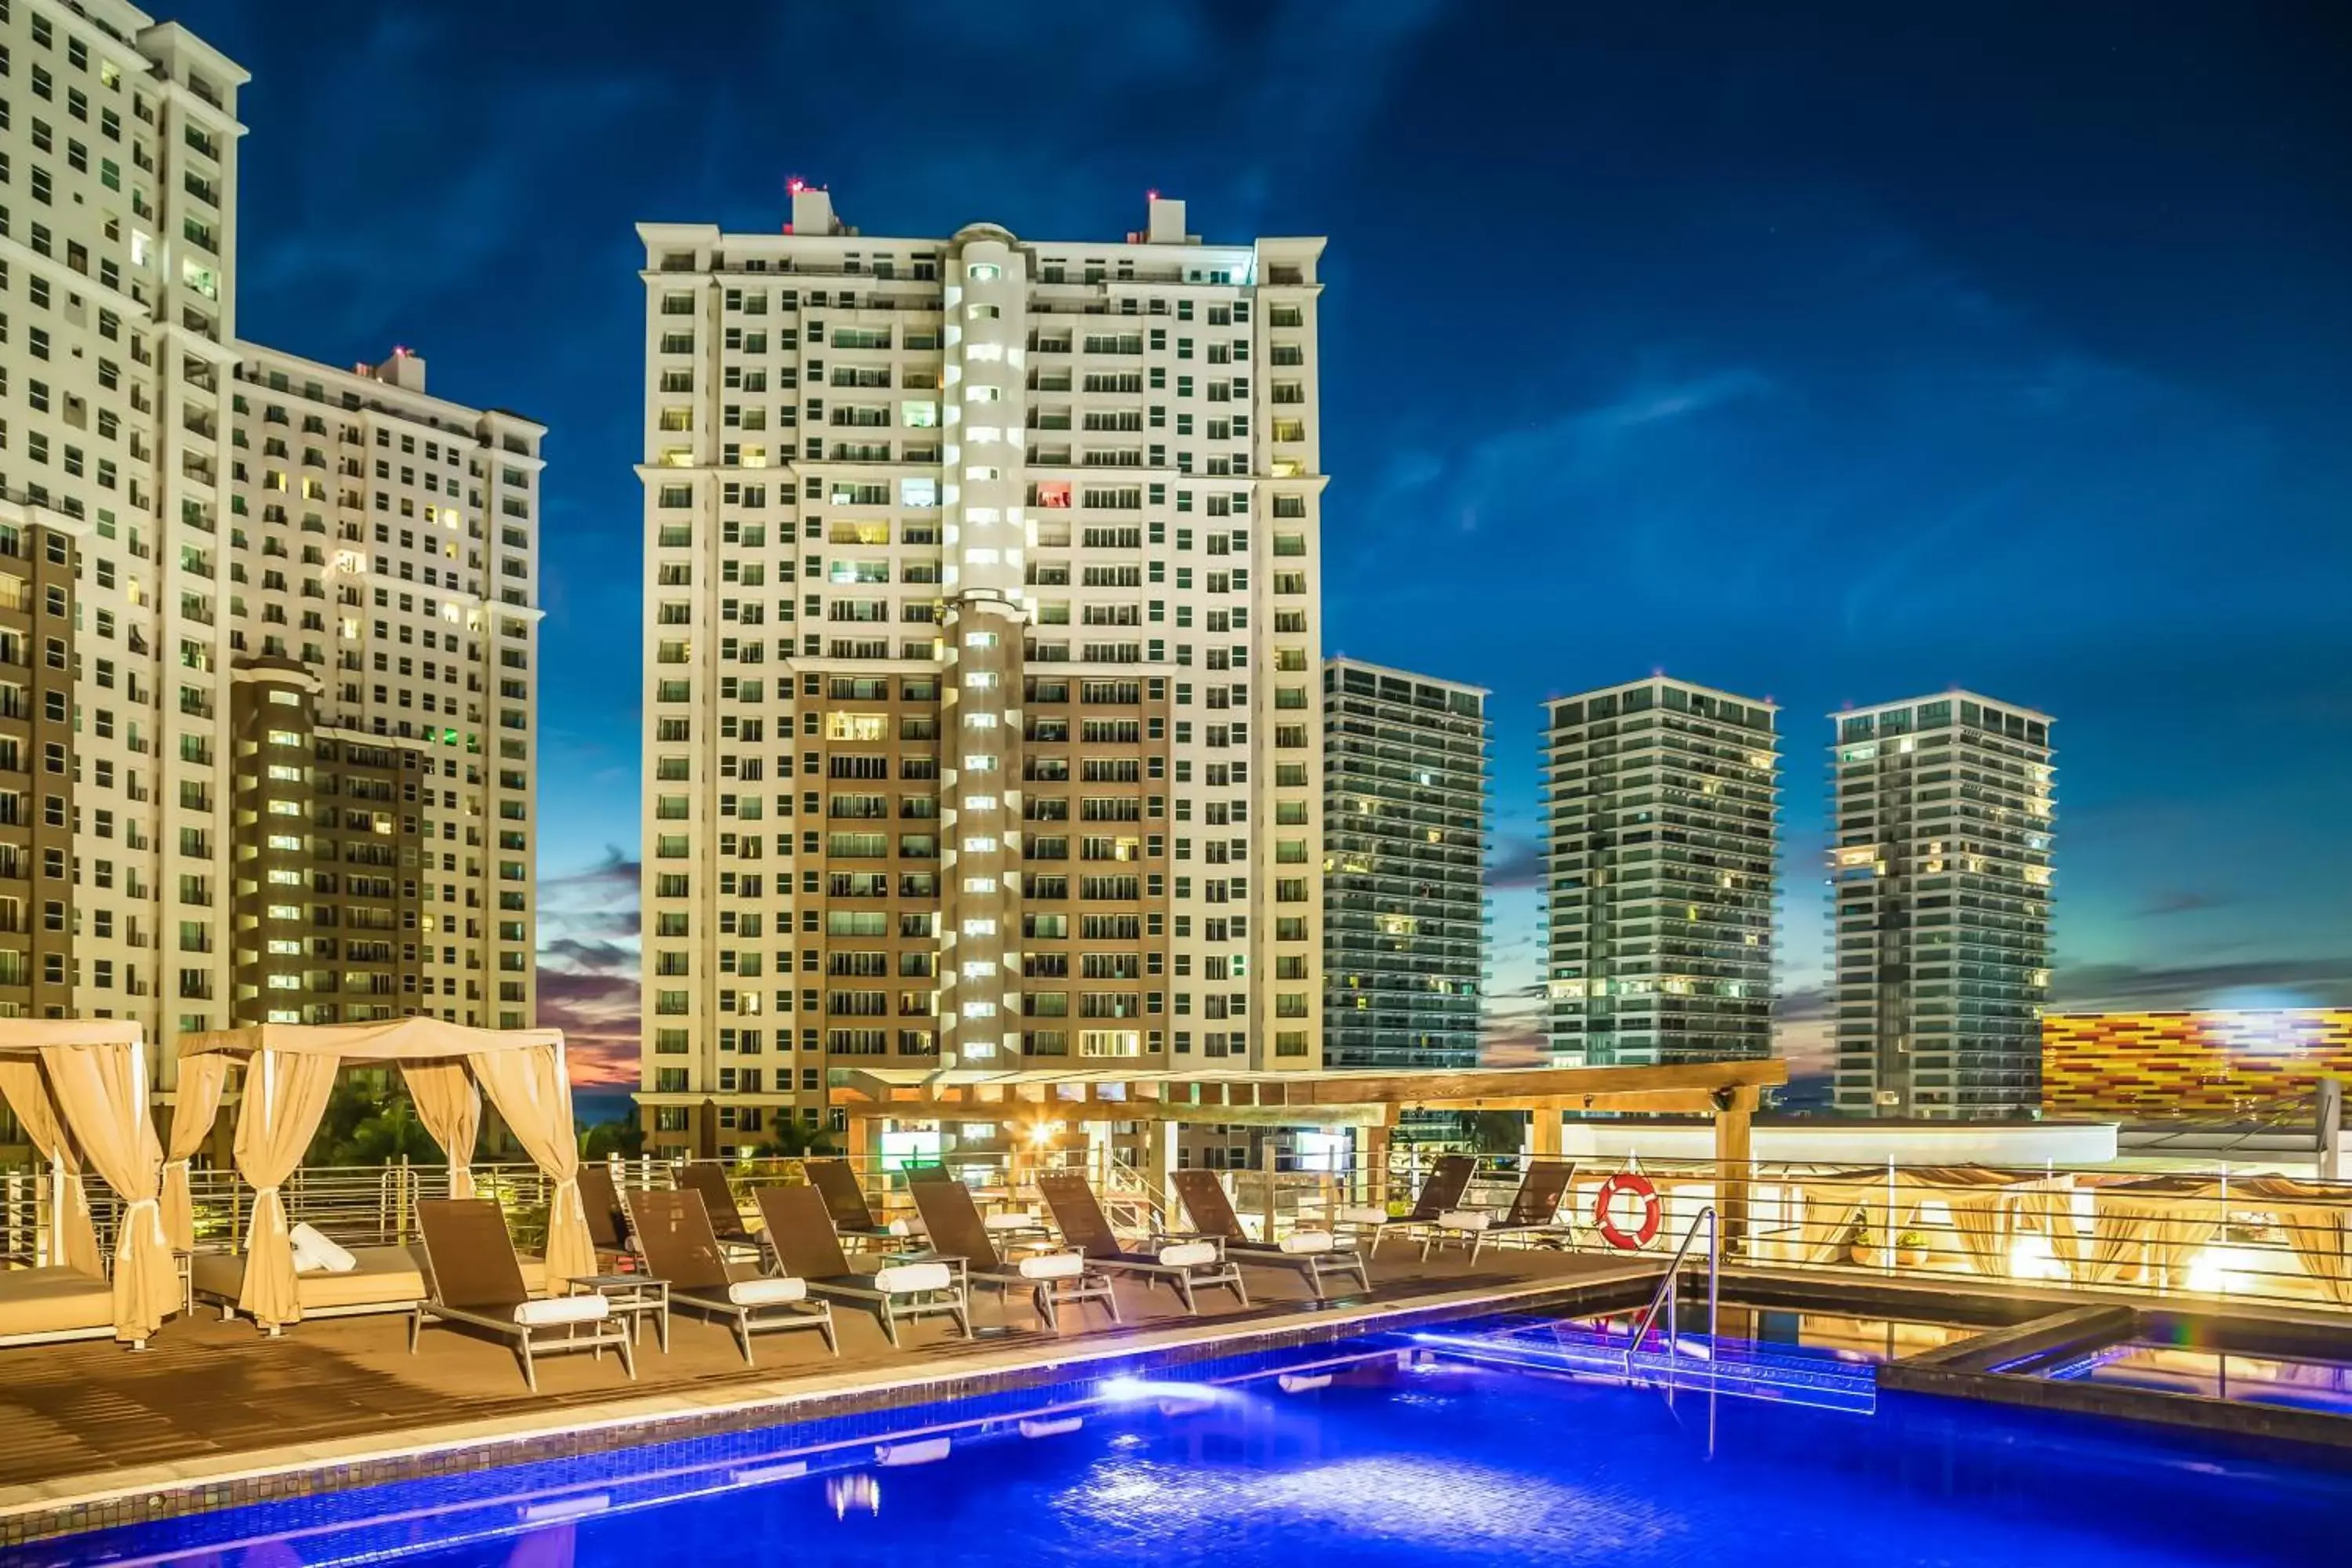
<point x="1726" y="1092"/>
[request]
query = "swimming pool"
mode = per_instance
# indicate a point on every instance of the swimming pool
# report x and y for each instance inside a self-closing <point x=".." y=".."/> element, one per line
<point x="1375" y="1452"/>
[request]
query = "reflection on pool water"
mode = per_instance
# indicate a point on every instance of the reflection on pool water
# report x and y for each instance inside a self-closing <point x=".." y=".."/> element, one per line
<point x="2216" y="1374"/>
<point x="1400" y="1457"/>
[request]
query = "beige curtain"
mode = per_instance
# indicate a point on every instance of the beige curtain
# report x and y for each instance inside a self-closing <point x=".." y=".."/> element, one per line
<point x="1830" y="1213"/>
<point x="1980" y="1216"/>
<point x="529" y="1087"/>
<point x="2319" y="1232"/>
<point x="193" y="1110"/>
<point x="451" y="1109"/>
<point x="102" y="1092"/>
<point x="2056" y="1207"/>
<point x="2322" y="1239"/>
<point x="285" y="1096"/>
<point x="26" y="1089"/>
<point x="2162" y="1231"/>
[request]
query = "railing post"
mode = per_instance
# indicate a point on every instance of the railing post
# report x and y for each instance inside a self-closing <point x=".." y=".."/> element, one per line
<point x="1265" y="1160"/>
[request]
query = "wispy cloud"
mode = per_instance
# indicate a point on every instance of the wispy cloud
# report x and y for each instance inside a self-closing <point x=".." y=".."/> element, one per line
<point x="2266" y="983"/>
<point x="1518" y="863"/>
<point x="589" y="964"/>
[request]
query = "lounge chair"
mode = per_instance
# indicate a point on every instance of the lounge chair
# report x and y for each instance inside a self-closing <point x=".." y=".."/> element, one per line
<point x="472" y="1277"/>
<point x="675" y="1237"/>
<point x="1438" y="1195"/>
<point x="1533" y="1211"/>
<point x="1310" y="1253"/>
<point x="1054" y="1279"/>
<point x="1185" y="1265"/>
<point x="706" y="1179"/>
<point x="845" y="1200"/>
<point x="379" y="1279"/>
<point x="1007" y="1225"/>
<point x="42" y="1306"/>
<point x="800" y="1233"/>
<point x="608" y="1226"/>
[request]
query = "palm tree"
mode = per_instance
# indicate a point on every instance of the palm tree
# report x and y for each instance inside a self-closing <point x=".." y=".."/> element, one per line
<point x="794" y="1141"/>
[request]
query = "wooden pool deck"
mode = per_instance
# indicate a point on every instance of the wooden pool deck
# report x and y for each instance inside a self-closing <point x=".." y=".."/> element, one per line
<point x="214" y="1415"/>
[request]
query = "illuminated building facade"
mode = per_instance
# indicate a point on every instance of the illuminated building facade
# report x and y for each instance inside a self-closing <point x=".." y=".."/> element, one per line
<point x="1661" y="808"/>
<point x="1940" y="884"/>
<point x="980" y="714"/>
<point x="2237" y="1065"/>
<point x="1405" y="825"/>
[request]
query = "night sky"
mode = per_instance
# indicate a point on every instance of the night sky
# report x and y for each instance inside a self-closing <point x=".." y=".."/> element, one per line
<point x="1833" y="354"/>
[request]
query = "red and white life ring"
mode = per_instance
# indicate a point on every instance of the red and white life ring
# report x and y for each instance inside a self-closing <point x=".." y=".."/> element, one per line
<point x="1605" y="1211"/>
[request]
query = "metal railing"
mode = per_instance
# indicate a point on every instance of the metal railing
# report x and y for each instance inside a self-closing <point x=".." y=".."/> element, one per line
<point x="2201" y="1233"/>
<point x="1669" y="1291"/>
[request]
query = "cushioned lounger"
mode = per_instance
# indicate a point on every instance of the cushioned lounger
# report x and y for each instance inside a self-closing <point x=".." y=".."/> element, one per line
<point x="40" y="1306"/>
<point x="1185" y="1265"/>
<point x="1533" y="1211"/>
<point x="1311" y="1254"/>
<point x="1438" y="1195"/>
<point x="846" y="1202"/>
<point x="705" y="1178"/>
<point x="473" y="1278"/>
<point x="1054" y="1279"/>
<point x="673" y="1234"/>
<point x="799" y="1235"/>
<point x="608" y="1225"/>
<point x="384" y="1279"/>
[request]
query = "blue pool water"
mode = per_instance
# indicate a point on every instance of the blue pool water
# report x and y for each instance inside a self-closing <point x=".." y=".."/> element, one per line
<point x="1372" y="1453"/>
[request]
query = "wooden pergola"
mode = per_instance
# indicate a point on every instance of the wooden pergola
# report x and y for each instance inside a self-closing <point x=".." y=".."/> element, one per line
<point x="1373" y="1100"/>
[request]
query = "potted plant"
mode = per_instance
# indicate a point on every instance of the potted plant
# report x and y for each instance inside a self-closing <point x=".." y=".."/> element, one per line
<point x="1859" y="1247"/>
<point x="1910" y="1249"/>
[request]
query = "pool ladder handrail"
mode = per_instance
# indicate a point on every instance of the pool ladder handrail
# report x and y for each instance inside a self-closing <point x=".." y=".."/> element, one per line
<point x="1669" y="1290"/>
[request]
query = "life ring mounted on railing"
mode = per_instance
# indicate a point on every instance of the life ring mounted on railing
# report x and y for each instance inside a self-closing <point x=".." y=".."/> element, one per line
<point x="1605" y="1211"/>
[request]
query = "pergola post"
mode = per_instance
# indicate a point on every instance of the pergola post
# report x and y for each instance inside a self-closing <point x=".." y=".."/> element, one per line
<point x="1734" y="1152"/>
<point x="1543" y="1132"/>
<point x="857" y="1143"/>
<point x="1160" y="1160"/>
<point x="1373" y="1172"/>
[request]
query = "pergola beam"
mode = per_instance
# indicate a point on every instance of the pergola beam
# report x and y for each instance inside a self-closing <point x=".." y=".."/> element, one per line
<point x="1343" y="1099"/>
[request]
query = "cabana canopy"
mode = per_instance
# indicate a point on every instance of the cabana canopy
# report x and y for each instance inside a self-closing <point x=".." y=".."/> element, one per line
<point x="80" y="1088"/>
<point x="290" y="1070"/>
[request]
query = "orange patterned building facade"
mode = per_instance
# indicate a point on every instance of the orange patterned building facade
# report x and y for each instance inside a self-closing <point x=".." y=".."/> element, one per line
<point x="2207" y="1066"/>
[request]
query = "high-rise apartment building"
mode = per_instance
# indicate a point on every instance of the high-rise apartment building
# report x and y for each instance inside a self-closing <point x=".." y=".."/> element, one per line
<point x="1405" y="828"/>
<point x="981" y="710"/>
<point x="1661" y="803"/>
<point x="1939" y="879"/>
<point x="207" y="547"/>
<point x="121" y="138"/>
<point x="382" y="608"/>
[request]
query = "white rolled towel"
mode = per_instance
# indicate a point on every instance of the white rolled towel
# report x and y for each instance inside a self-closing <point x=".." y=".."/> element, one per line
<point x="1363" y="1216"/>
<point x="315" y="1253"/>
<point x="904" y="1278"/>
<point x="1188" y="1253"/>
<point x="1307" y="1241"/>
<point x="1053" y="1265"/>
<point x="563" y="1309"/>
<point x="767" y="1292"/>
<point x="1465" y="1220"/>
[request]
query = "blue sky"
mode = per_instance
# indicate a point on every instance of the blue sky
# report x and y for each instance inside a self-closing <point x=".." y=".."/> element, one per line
<point x="1829" y="354"/>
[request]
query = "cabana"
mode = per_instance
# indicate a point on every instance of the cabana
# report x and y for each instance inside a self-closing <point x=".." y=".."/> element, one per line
<point x="290" y="1069"/>
<point x="1989" y="1209"/>
<point x="2155" y="1227"/>
<point x="78" y="1087"/>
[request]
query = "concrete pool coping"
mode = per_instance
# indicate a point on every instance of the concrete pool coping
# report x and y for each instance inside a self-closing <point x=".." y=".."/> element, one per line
<point x="88" y="1500"/>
